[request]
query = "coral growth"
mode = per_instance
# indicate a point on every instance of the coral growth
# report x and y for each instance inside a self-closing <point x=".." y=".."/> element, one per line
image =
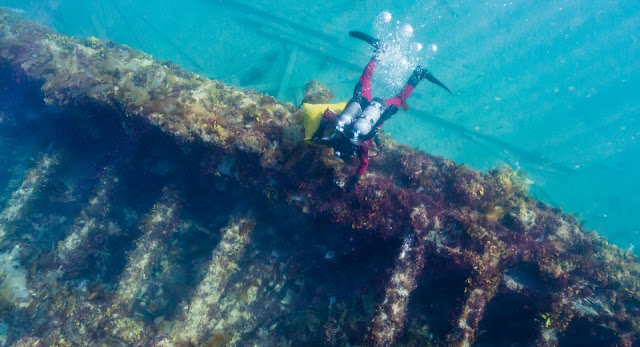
<point x="13" y="281"/>
<point x="469" y="250"/>
<point x="317" y="93"/>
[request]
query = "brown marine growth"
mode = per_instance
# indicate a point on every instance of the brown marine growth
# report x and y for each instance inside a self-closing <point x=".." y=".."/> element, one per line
<point x="481" y="250"/>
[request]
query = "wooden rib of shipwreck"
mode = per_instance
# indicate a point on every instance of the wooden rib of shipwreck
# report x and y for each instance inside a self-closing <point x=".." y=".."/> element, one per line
<point x="509" y="245"/>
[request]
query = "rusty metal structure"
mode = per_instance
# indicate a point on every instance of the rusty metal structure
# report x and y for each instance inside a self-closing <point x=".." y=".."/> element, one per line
<point x="209" y="222"/>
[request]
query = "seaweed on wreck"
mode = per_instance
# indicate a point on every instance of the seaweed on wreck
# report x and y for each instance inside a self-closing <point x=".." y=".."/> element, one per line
<point x="208" y="221"/>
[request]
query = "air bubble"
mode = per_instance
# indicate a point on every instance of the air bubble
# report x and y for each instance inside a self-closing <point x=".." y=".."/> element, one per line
<point x="384" y="17"/>
<point x="405" y="31"/>
<point x="416" y="46"/>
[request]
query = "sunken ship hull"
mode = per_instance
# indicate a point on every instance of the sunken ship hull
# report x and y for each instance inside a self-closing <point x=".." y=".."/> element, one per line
<point x="146" y="205"/>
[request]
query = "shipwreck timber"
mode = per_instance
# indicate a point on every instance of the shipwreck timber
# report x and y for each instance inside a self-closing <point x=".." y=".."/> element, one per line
<point x="423" y="252"/>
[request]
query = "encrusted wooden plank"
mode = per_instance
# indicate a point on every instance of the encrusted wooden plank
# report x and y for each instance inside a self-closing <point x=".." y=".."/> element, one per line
<point x="488" y="222"/>
<point x="89" y="224"/>
<point x="204" y="306"/>
<point x="34" y="179"/>
<point x="157" y="228"/>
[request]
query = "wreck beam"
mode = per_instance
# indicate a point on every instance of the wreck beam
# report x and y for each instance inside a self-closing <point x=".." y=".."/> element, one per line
<point x="91" y="223"/>
<point x="157" y="229"/>
<point x="204" y="307"/>
<point x="391" y="314"/>
<point x="488" y="220"/>
<point x="33" y="181"/>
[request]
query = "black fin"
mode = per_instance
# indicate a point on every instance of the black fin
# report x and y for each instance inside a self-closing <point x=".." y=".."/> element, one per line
<point x="429" y="77"/>
<point x="366" y="38"/>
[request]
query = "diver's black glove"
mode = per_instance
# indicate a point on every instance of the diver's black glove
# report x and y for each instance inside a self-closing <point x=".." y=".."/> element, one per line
<point x="376" y="139"/>
<point x="352" y="183"/>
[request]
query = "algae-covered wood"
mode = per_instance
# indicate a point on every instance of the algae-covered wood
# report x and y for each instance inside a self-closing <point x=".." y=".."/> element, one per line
<point x="428" y="251"/>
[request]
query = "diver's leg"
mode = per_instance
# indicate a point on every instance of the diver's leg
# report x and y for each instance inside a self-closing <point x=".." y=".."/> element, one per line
<point x="363" y="88"/>
<point x="399" y="99"/>
<point x="418" y="75"/>
<point x="361" y="97"/>
<point x="394" y="103"/>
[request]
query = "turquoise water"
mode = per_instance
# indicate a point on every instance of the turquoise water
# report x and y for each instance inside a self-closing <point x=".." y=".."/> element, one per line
<point x="549" y="87"/>
<point x="116" y="233"/>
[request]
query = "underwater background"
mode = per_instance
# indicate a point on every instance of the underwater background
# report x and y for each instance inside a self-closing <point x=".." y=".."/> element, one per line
<point x="141" y="204"/>
<point x="549" y="87"/>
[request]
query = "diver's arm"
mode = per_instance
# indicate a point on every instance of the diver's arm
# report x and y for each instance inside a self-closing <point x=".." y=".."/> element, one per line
<point x="362" y="167"/>
<point x="376" y="139"/>
<point x="352" y="183"/>
<point x="364" y="159"/>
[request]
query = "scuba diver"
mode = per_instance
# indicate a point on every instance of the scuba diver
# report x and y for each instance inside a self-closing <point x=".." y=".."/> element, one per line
<point x="351" y="132"/>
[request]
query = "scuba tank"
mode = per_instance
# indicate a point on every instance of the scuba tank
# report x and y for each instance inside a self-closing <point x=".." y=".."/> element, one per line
<point x="370" y="116"/>
<point x="349" y="114"/>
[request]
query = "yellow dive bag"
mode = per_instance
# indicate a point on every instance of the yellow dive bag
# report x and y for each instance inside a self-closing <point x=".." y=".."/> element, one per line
<point x="313" y="113"/>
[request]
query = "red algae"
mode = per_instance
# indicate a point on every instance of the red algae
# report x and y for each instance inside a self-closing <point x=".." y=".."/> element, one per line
<point x="510" y="248"/>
